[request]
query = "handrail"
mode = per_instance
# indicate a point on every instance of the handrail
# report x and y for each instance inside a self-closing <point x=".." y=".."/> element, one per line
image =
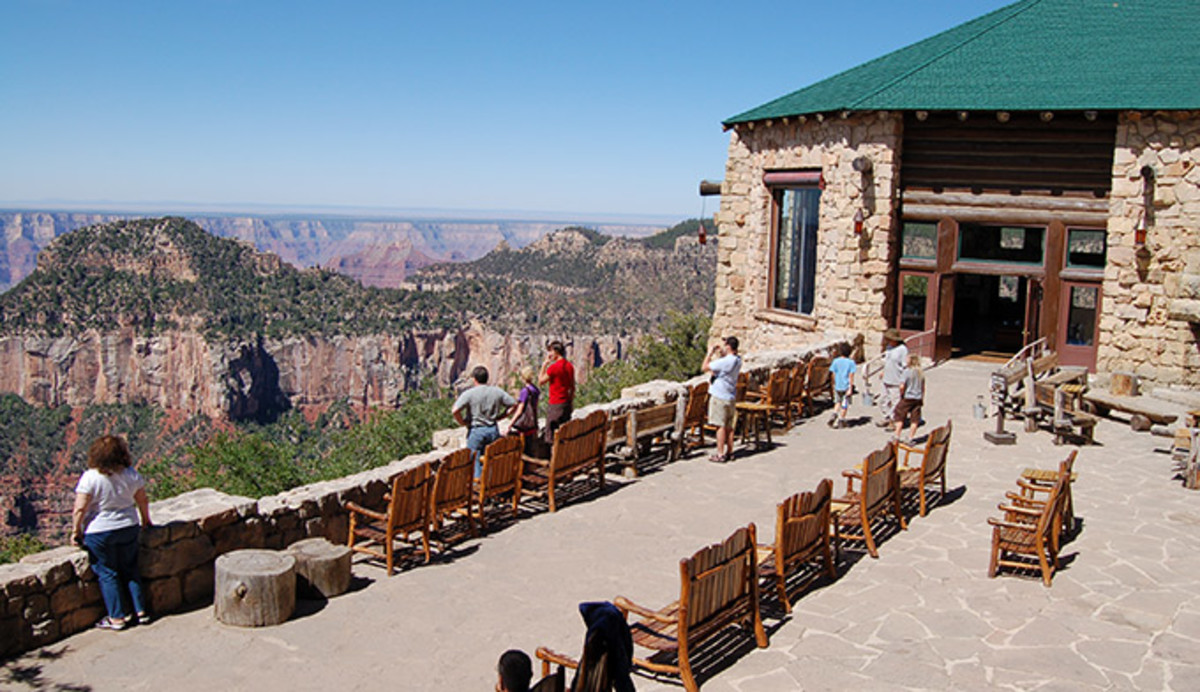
<point x="1026" y="353"/>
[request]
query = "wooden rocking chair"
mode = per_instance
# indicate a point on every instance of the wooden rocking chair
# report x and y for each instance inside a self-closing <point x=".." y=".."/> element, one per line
<point x="801" y="535"/>
<point x="452" y="492"/>
<point x="501" y="475"/>
<point x="774" y="399"/>
<point x="578" y="447"/>
<point x="796" y="405"/>
<point x="694" y="418"/>
<point x="880" y="494"/>
<point x="1035" y="482"/>
<point x="817" y="383"/>
<point x="1029" y="529"/>
<point x="407" y="512"/>
<point x="933" y="465"/>
<point x="718" y="588"/>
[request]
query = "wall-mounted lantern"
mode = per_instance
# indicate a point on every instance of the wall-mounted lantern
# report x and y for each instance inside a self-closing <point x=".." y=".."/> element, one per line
<point x="858" y="222"/>
<point x="1147" y="217"/>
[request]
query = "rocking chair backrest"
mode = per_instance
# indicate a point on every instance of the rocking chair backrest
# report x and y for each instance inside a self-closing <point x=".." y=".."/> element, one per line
<point x="579" y="443"/>
<point x="410" y="498"/>
<point x="802" y="523"/>
<point x="818" y="374"/>
<point x="879" y="479"/>
<point x="1050" y="519"/>
<point x="777" y="387"/>
<point x="936" y="449"/>
<point x="502" y="464"/>
<point x="796" y="381"/>
<point x="452" y="485"/>
<point x="1066" y="466"/>
<point x="697" y="405"/>
<point x="718" y="584"/>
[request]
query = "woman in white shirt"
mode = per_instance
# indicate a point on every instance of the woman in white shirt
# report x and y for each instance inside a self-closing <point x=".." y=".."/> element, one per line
<point x="109" y="499"/>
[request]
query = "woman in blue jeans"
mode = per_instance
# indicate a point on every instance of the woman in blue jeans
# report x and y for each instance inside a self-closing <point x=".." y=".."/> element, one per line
<point x="109" y="499"/>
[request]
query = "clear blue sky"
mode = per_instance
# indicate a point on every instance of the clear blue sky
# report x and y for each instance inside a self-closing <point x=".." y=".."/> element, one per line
<point x="598" y="107"/>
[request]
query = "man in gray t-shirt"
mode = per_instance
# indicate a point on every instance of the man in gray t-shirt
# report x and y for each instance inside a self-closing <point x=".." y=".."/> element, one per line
<point x="478" y="409"/>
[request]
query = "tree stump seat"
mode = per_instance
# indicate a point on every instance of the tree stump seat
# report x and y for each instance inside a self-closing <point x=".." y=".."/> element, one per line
<point x="322" y="568"/>
<point x="255" y="588"/>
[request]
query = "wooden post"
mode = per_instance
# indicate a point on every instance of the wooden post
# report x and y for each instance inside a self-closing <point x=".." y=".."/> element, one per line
<point x="322" y="568"/>
<point x="255" y="588"/>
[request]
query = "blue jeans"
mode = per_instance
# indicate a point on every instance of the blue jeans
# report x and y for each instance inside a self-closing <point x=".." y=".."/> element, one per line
<point x="114" y="558"/>
<point x="478" y="438"/>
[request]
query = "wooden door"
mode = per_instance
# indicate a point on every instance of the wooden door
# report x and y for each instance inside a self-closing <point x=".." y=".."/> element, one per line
<point x="1033" y="311"/>
<point x="944" y="334"/>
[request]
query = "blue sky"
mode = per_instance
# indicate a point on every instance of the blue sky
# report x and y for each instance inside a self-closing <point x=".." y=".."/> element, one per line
<point x="609" y="108"/>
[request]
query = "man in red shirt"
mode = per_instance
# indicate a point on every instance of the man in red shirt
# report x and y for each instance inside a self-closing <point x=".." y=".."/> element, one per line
<point x="558" y="372"/>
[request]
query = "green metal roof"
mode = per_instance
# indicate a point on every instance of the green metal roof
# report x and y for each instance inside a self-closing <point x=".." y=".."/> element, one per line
<point x="1031" y="55"/>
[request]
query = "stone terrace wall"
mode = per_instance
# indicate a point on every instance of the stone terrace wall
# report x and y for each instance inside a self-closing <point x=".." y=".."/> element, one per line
<point x="54" y="594"/>
<point x="1150" y="311"/>
<point x="852" y="291"/>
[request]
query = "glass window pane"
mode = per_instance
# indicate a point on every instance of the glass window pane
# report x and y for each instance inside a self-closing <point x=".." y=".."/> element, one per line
<point x="915" y="292"/>
<point x="1001" y="244"/>
<point x="918" y="240"/>
<point x="796" y="249"/>
<point x="1081" y="316"/>
<point x="1086" y="248"/>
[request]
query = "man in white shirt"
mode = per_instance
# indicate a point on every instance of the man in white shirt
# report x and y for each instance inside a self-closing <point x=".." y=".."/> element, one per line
<point x="895" y="366"/>
<point x="722" y="393"/>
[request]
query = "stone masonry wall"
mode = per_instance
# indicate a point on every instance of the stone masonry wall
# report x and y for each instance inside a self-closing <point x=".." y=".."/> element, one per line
<point x="1150" y="311"/>
<point x="53" y="594"/>
<point x="852" y="282"/>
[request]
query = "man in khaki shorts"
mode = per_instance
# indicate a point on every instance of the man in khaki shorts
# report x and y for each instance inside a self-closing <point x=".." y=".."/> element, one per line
<point x="724" y="364"/>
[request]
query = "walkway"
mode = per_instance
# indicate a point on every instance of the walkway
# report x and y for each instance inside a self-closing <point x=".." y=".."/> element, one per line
<point x="1124" y="614"/>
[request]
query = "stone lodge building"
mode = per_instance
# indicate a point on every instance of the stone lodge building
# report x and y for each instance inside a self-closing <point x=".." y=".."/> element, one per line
<point x="1031" y="173"/>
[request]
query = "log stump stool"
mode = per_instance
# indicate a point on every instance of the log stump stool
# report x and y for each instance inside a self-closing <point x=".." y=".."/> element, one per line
<point x="322" y="568"/>
<point x="255" y="588"/>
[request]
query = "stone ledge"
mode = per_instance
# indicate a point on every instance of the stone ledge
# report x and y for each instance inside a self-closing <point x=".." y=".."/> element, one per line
<point x="787" y="319"/>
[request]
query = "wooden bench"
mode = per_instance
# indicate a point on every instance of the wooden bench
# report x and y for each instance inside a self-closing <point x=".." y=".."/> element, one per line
<point x="1062" y="404"/>
<point x="1158" y="412"/>
<point x="633" y="434"/>
<point x="660" y="425"/>
<point x="579" y="447"/>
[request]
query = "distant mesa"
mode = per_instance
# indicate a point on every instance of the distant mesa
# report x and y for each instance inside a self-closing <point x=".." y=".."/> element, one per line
<point x="383" y="266"/>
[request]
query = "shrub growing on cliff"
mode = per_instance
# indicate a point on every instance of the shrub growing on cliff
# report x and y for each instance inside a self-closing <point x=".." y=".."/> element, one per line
<point x="259" y="460"/>
<point x="675" y="354"/>
<point x="13" y="548"/>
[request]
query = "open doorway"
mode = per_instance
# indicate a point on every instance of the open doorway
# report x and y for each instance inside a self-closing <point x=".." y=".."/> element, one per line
<point x="989" y="315"/>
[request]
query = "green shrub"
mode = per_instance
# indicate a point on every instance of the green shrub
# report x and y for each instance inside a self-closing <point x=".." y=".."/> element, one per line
<point x="13" y="548"/>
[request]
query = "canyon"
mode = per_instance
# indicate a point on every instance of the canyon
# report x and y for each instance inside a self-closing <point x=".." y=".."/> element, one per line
<point x="377" y="251"/>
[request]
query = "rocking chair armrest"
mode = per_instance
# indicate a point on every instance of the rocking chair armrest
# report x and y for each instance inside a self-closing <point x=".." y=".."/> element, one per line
<point x="1000" y="523"/>
<point x="548" y="656"/>
<point x="1034" y="486"/>
<point x="1024" y="500"/>
<point x="755" y="395"/>
<point x="909" y="449"/>
<point x="1020" y="510"/>
<point x="359" y="509"/>
<point x="852" y="473"/>
<point x="627" y="606"/>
